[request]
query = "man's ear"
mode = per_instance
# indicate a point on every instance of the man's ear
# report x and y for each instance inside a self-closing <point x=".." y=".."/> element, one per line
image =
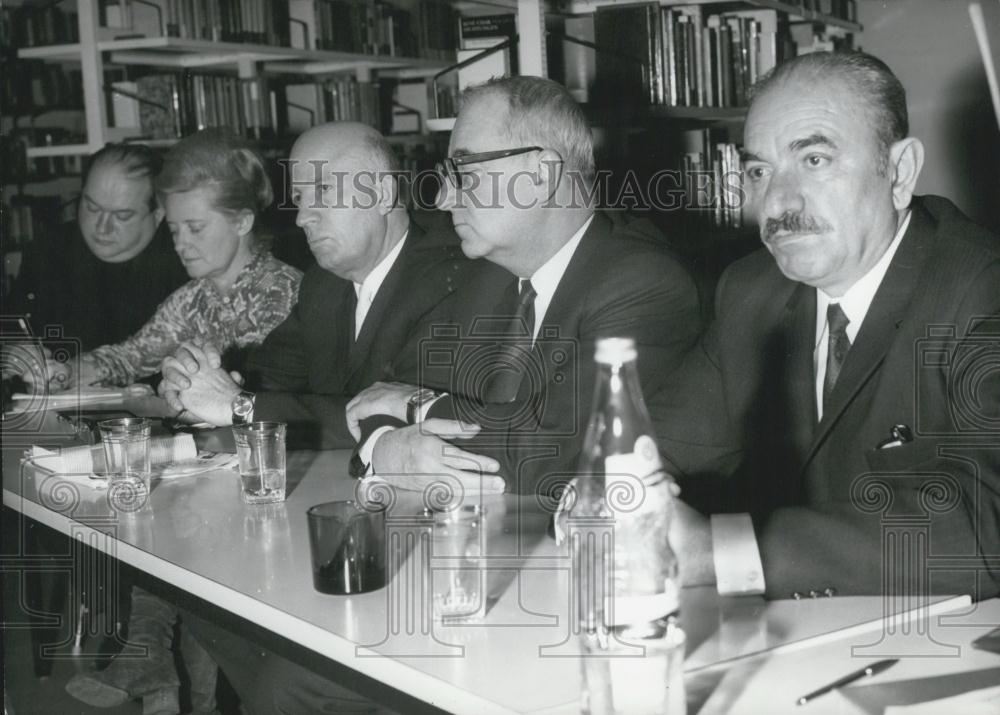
<point x="158" y="213"/>
<point x="550" y="168"/>
<point x="388" y="192"/>
<point x="906" y="158"/>
<point x="244" y="222"/>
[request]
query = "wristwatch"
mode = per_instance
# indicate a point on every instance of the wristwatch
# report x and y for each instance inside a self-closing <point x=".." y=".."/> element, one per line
<point x="242" y="407"/>
<point x="415" y="404"/>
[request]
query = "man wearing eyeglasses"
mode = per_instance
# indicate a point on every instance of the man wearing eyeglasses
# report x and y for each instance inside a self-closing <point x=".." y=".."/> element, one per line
<point x="516" y="182"/>
<point x="101" y="279"/>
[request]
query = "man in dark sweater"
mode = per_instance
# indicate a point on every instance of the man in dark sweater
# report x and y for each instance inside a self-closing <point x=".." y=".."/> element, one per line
<point x="100" y="280"/>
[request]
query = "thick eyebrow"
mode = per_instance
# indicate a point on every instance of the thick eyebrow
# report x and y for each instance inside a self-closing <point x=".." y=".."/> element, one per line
<point x="749" y="156"/>
<point x="812" y="140"/>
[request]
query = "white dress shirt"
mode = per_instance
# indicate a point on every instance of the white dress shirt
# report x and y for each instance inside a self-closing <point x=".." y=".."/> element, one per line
<point x="735" y="553"/>
<point x="855" y="304"/>
<point x="546" y="279"/>
<point x="368" y="289"/>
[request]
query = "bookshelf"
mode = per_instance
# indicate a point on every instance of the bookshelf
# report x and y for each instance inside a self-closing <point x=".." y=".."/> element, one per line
<point x="104" y="48"/>
<point x="796" y="12"/>
<point x="152" y="41"/>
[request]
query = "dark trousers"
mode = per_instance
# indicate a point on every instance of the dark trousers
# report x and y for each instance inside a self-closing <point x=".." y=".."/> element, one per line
<point x="268" y="682"/>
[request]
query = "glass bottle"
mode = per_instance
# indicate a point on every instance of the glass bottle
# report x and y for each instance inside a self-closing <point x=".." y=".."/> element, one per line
<point x="625" y="573"/>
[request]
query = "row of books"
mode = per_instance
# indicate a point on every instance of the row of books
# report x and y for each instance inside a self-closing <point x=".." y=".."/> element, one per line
<point x="32" y="86"/>
<point x="347" y="99"/>
<point x="687" y="59"/>
<point x="713" y="61"/>
<point x="26" y="217"/>
<point x="710" y="175"/>
<point x="174" y="104"/>
<point x="30" y="25"/>
<point x="264" y="22"/>
<point x="17" y="168"/>
<point x="373" y="28"/>
<point x="843" y="9"/>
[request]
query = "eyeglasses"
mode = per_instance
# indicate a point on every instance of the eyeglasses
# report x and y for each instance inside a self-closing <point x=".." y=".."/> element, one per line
<point x="449" y="167"/>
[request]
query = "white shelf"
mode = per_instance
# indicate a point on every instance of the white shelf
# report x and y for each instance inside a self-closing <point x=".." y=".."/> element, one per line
<point x="442" y="124"/>
<point x="36" y="152"/>
<point x="50" y="52"/>
<point x="188" y="53"/>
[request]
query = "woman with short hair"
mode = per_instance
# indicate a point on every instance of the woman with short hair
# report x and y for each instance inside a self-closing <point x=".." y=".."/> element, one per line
<point x="212" y="187"/>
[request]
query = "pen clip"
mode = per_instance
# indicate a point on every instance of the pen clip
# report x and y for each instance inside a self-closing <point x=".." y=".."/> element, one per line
<point x="866" y="672"/>
<point x="898" y="435"/>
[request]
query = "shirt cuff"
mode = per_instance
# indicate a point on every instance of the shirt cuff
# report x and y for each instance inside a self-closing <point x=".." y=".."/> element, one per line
<point x="425" y="408"/>
<point x="368" y="448"/>
<point x="738" y="569"/>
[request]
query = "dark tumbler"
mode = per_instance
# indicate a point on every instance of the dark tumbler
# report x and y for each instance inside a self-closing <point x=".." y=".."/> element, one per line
<point x="347" y="543"/>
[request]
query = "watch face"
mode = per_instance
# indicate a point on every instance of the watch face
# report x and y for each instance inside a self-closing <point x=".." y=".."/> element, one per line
<point x="242" y="404"/>
<point x="421" y="396"/>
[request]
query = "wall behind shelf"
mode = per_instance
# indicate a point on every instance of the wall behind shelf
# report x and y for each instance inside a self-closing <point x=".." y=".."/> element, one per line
<point x="930" y="45"/>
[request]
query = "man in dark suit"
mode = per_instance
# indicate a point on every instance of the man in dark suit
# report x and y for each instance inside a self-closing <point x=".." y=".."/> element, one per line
<point x="512" y="372"/>
<point x="849" y="385"/>
<point x="378" y="275"/>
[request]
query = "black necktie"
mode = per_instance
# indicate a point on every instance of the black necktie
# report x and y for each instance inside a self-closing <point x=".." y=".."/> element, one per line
<point x="837" y="348"/>
<point x="509" y="366"/>
<point x="351" y="308"/>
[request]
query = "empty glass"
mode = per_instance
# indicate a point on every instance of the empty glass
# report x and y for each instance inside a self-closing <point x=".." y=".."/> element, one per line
<point x="126" y="456"/>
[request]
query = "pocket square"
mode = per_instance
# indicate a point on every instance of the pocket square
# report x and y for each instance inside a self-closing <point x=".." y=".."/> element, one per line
<point x="898" y="435"/>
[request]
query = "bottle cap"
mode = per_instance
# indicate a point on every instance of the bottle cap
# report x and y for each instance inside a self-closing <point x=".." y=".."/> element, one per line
<point x="615" y="351"/>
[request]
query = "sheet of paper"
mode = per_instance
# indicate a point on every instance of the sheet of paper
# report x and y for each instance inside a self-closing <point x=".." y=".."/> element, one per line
<point x="975" y="702"/>
<point x="25" y="402"/>
<point x="171" y="457"/>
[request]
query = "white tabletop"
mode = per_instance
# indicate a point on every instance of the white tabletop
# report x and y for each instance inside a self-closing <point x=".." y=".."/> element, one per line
<point x="254" y="561"/>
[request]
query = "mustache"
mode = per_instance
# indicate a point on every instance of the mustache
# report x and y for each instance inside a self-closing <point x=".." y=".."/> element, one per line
<point x="794" y="223"/>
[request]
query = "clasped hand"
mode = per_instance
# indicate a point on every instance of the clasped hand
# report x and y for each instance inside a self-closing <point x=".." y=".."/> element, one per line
<point x="381" y="398"/>
<point x="416" y="450"/>
<point x="195" y="383"/>
<point x="422" y="449"/>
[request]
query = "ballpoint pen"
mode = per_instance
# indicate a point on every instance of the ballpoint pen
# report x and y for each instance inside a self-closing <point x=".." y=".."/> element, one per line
<point x="867" y="671"/>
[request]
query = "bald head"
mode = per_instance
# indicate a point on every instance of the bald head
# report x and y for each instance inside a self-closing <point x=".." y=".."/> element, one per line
<point x="344" y="186"/>
<point x="352" y="146"/>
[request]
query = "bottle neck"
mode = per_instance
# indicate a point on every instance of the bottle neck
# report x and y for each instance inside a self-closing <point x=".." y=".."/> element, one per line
<point x="618" y="400"/>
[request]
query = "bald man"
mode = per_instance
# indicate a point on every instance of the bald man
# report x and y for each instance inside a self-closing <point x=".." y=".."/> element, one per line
<point x="378" y="274"/>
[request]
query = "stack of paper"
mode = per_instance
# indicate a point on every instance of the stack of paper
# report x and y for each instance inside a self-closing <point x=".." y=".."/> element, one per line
<point x="174" y="456"/>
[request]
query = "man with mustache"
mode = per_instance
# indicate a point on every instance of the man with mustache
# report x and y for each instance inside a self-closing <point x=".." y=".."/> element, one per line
<point x="851" y="379"/>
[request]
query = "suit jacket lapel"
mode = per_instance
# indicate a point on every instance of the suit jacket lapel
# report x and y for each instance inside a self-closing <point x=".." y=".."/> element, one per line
<point x="576" y="276"/>
<point x="881" y="323"/>
<point x="377" y="313"/>
<point x="800" y="336"/>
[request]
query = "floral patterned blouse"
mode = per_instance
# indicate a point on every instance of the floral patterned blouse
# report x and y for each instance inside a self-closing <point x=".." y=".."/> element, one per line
<point x="260" y="300"/>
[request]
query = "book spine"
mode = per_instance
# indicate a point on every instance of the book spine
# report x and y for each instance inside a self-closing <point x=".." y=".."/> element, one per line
<point x="669" y="55"/>
<point x="699" y="59"/>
